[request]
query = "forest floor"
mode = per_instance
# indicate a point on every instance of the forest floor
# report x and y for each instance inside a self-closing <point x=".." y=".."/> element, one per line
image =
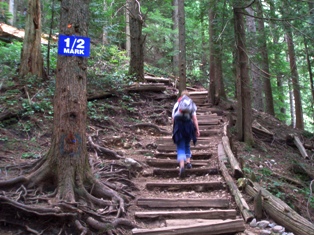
<point x="113" y="123"/>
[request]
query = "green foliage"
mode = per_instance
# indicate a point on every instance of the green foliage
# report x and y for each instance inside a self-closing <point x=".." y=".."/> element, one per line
<point x="265" y="171"/>
<point x="95" y="111"/>
<point x="5" y="15"/>
<point x="108" y="67"/>
<point x="30" y="155"/>
<point x="9" y="59"/>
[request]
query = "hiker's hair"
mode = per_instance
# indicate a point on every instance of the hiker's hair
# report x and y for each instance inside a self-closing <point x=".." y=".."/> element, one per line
<point x="185" y="92"/>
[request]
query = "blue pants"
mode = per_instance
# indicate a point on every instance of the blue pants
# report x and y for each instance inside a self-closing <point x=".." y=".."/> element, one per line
<point x="183" y="150"/>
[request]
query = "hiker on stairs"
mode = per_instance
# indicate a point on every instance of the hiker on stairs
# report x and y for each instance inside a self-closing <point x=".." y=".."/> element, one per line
<point x="185" y="129"/>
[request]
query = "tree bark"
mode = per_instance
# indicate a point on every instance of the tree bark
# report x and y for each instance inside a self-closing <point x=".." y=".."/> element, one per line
<point x="182" y="52"/>
<point x="127" y="28"/>
<point x="212" y="66"/>
<point x="68" y="149"/>
<point x="257" y="94"/>
<point x="269" y="102"/>
<point x="175" y="19"/>
<point x="31" y="57"/>
<point x="136" y="68"/>
<point x="295" y="81"/>
<point x="244" y="111"/>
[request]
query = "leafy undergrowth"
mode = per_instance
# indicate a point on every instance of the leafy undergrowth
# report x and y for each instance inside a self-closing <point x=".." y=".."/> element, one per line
<point x="26" y="131"/>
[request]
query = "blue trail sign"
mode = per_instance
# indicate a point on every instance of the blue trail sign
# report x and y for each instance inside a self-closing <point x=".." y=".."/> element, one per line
<point x="73" y="46"/>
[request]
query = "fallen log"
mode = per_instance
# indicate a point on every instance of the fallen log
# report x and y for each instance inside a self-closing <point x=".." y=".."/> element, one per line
<point x="208" y="228"/>
<point x="146" y="87"/>
<point x="261" y="132"/>
<point x="294" y="140"/>
<point x="236" y="170"/>
<point x="240" y="201"/>
<point x="280" y="212"/>
<point x="157" y="79"/>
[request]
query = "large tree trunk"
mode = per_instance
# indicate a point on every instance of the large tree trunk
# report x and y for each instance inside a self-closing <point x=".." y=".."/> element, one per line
<point x="204" y="54"/>
<point x="309" y="66"/>
<point x="127" y="28"/>
<point x="269" y="102"/>
<point x="68" y="150"/>
<point x="182" y="55"/>
<point x="31" y="58"/>
<point x="12" y="11"/>
<point x="279" y="76"/>
<point x="175" y="58"/>
<point x="212" y="66"/>
<point x="136" y="68"/>
<point x="295" y="81"/>
<point x="244" y="111"/>
<point x="255" y="72"/>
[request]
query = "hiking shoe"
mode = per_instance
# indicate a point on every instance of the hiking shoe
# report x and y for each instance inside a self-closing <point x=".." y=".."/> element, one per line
<point x="188" y="165"/>
<point x="181" y="172"/>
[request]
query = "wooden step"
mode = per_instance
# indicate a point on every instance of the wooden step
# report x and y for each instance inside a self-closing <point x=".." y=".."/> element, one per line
<point x="188" y="214"/>
<point x="170" y="172"/>
<point x="184" y="202"/>
<point x="196" y="186"/>
<point x="174" y="163"/>
<point x="169" y="141"/>
<point x="209" y="122"/>
<point x="195" y="155"/>
<point x="171" y="148"/>
<point x="193" y="228"/>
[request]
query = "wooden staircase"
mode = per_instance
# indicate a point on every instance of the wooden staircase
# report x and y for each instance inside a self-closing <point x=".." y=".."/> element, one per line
<point x="198" y="204"/>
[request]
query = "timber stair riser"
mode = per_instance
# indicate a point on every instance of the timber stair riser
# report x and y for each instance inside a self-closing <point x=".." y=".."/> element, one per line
<point x="189" y="172"/>
<point x="197" y="186"/>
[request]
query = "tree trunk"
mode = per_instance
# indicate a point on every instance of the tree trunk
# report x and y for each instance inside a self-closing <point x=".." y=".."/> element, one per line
<point x="309" y="66"/>
<point x="212" y="66"/>
<point x="204" y="54"/>
<point x="127" y="28"/>
<point x="31" y="57"/>
<point x="244" y="111"/>
<point x="175" y="19"/>
<point x="279" y="81"/>
<point x="68" y="149"/>
<point x="182" y="53"/>
<point x="255" y="72"/>
<point x="12" y="11"/>
<point x="295" y="81"/>
<point x="136" y="68"/>
<point x="269" y="102"/>
<point x="104" y="29"/>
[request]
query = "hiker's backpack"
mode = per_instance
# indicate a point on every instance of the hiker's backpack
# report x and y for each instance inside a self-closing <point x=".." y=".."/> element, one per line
<point x="186" y="105"/>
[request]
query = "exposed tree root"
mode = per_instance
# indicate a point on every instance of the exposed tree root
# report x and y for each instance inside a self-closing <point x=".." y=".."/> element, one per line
<point x="109" y="153"/>
<point x="98" y="203"/>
